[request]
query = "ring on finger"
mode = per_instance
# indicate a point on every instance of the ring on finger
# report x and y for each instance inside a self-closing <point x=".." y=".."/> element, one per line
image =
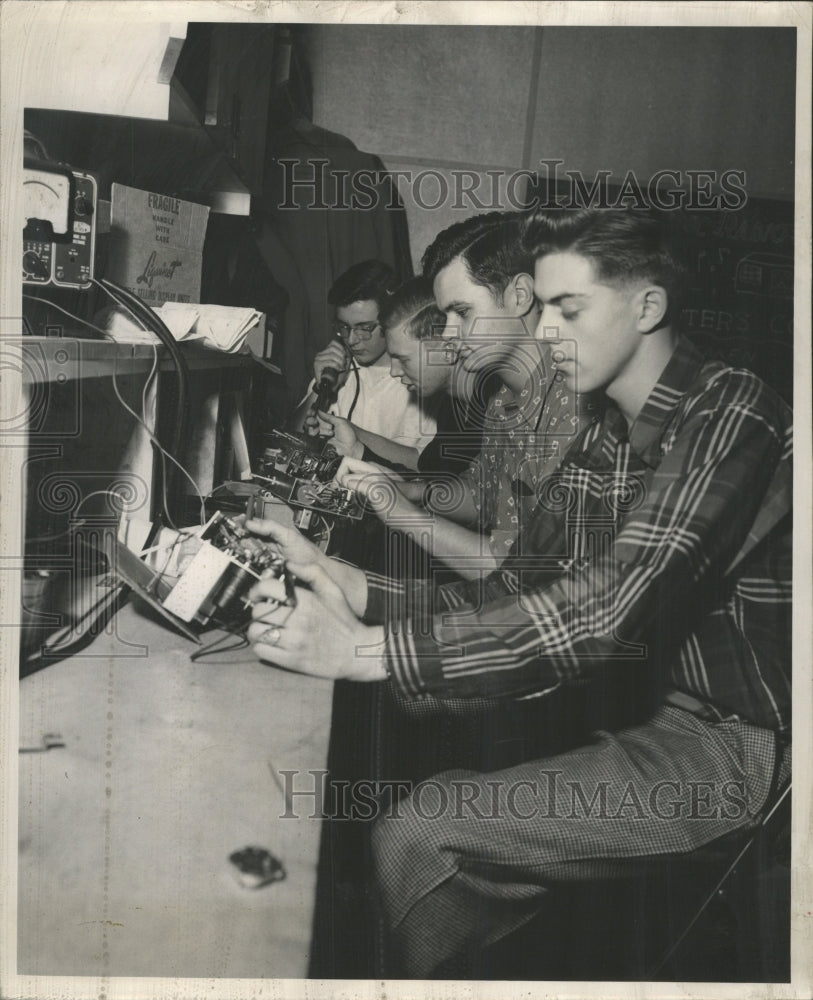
<point x="271" y="636"/>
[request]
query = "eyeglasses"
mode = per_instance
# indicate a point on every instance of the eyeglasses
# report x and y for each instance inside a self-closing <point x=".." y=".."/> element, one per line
<point x="363" y="331"/>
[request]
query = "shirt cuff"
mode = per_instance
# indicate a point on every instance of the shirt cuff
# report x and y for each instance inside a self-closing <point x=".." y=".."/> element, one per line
<point x="413" y="661"/>
<point x="382" y="593"/>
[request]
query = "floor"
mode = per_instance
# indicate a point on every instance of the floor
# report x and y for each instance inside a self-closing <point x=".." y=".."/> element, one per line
<point x="167" y="767"/>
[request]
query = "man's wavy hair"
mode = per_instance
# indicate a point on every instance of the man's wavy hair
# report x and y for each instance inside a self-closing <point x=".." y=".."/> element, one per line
<point x="369" y="280"/>
<point x="624" y="245"/>
<point x="413" y="304"/>
<point x="489" y="245"/>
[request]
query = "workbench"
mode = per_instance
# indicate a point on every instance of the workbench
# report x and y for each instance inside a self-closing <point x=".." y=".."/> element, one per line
<point x="168" y="766"/>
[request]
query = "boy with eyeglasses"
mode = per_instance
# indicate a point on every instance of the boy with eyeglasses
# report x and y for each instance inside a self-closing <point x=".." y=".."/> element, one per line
<point x="370" y="406"/>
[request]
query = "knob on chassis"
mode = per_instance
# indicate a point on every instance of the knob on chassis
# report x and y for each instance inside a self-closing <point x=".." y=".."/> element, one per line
<point x="82" y="206"/>
<point x="34" y="265"/>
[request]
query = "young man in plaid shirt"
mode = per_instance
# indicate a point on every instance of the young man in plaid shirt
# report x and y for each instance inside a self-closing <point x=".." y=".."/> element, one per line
<point x="664" y="537"/>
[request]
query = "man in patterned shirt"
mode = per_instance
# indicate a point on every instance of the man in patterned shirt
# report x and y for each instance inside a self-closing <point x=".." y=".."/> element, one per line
<point x="663" y="539"/>
<point x="476" y="266"/>
<point x="482" y="280"/>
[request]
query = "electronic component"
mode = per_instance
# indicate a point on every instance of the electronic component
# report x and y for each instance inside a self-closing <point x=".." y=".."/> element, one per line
<point x="222" y="572"/>
<point x="212" y="583"/>
<point x="300" y="470"/>
<point x="256" y="867"/>
<point x="325" y="498"/>
<point x="300" y="457"/>
<point x="59" y="238"/>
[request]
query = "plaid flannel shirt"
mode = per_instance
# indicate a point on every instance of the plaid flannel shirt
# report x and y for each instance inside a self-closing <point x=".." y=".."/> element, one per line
<point x="670" y="542"/>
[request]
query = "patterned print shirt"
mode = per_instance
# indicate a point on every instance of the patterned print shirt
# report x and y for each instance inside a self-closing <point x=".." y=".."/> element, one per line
<point x="670" y="541"/>
<point x="525" y="436"/>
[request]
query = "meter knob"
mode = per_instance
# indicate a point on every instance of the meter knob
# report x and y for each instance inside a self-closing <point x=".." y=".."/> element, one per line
<point x="82" y="206"/>
<point x="33" y="264"/>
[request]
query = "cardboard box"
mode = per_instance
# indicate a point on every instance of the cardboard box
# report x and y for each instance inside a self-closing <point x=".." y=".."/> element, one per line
<point x="156" y="245"/>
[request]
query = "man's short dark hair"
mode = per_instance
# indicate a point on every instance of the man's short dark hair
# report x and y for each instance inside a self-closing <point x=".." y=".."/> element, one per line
<point x="413" y="304"/>
<point x="489" y="245"/>
<point x="369" y="280"/>
<point x="623" y="244"/>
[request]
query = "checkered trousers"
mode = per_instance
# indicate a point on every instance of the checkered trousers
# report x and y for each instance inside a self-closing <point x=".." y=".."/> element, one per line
<point x="469" y="857"/>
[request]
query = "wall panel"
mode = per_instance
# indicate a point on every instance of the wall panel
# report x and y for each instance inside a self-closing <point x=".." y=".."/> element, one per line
<point x="647" y="99"/>
<point x="442" y="92"/>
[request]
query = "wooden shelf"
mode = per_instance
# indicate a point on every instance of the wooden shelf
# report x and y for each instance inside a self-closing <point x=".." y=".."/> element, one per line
<point x="62" y="359"/>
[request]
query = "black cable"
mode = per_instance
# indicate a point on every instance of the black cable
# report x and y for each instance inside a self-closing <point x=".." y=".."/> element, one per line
<point x="217" y="645"/>
<point x="355" y="368"/>
<point x="142" y="312"/>
<point x="157" y="326"/>
<point x="68" y="313"/>
<point x="137" y="315"/>
<point x="232" y="629"/>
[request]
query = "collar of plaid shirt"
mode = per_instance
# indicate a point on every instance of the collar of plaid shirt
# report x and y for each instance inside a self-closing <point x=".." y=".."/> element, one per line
<point x="679" y="375"/>
<point x="695" y="501"/>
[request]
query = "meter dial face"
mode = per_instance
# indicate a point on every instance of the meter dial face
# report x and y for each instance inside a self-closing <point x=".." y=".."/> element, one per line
<point x="46" y="198"/>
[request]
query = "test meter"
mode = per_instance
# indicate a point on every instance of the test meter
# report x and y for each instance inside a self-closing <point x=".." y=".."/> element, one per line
<point x="59" y="238"/>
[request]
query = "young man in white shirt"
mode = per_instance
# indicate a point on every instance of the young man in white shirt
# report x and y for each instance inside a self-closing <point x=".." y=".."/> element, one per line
<point x="370" y="406"/>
